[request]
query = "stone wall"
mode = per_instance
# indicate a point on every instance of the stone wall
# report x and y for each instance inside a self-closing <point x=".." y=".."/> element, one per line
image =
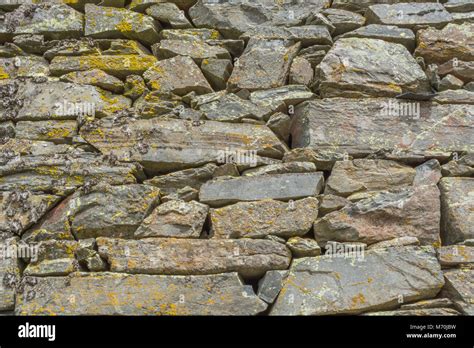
<point x="266" y="157"/>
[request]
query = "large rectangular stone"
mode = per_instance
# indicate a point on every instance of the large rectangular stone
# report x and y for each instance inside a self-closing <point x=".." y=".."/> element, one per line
<point x="167" y="145"/>
<point x="364" y="126"/>
<point x="253" y="188"/>
<point x="125" y="294"/>
<point x="381" y="279"/>
<point x="177" y="256"/>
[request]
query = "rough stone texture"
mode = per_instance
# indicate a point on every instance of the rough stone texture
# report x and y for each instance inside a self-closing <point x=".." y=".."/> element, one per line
<point x="264" y="64"/>
<point x="270" y="285"/>
<point x="167" y="145"/>
<point x="361" y="175"/>
<point x="369" y="67"/>
<point x="370" y="126"/>
<point x="395" y="242"/>
<point x="411" y="212"/>
<point x="95" y="77"/>
<point x="250" y="258"/>
<point x="9" y="275"/>
<point x="409" y="15"/>
<point x="266" y="217"/>
<point x="453" y="41"/>
<point x="177" y="219"/>
<point x="454" y="255"/>
<point x="331" y="285"/>
<point x="462" y="166"/>
<point x="460" y="289"/>
<point x="284" y="187"/>
<point x="303" y="247"/>
<point x="126" y="294"/>
<point x="457" y="203"/>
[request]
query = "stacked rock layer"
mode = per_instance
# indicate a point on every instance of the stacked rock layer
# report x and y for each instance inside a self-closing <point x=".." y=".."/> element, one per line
<point x="198" y="157"/>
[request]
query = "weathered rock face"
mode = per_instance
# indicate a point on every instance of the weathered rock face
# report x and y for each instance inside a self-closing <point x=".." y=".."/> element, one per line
<point x="409" y="15"/>
<point x="177" y="219"/>
<point x="228" y="296"/>
<point x="267" y="217"/>
<point x="332" y="285"/>
<point x="166" y="145"/>
<point x="162" y="157"/>
<point x="264" y="64"/>
<point x="388" y="125"/>
<point x="368" y="67"/>
<point x="453" y="41"/>
<point x="360" y="175"/>
<point x="54" y="21"/>
<point x="276" y="186"/>
<point x="457" y="203"/>
<point x="403" y="212"/>
<point x="250" y="258"/>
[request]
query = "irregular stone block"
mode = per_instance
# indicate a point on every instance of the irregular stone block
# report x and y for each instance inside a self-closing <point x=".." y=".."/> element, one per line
<point x="177" y="219"/>
<point x="301" y="72"/>
<point x="9" y="274"/>
<point x="440" y="46"/>
<point x="368" y="67"/>
<point x="95" y="77"/>
<point x="458" y="68"/>
<point x="194" y="178"/>
<point x="55" y="258"/>
<point x="428" y="173"/>
<point x="170" y="14"/>
<point x="283" y="187"/>
<point x="57" y="131"/>
<point x="59" y="100"/>
<point x="117" y="65"/>
<point x="455" y="255"/>
<point x="287" y="95"/>
<point x="392" y="127"/>
<point x="307" y="35"/>
<point x="270" y="285"/>
<point x="126" y="294"/>
<point x="62" y="173"/>
<point x="363" y="175"/>
<point x="261" y="218"/>
<point x="413" y="212"/>
<point x="21" y="209"/>
<point x="174" y="256"/>
<point x="460" y="289"/>
<point x="54" y="21"/>
<point x="459" y="5"/>
<point x="456" y="206"/>
<point x="281" y="168"/>
<point x="117" y="23"/>
<point x="303" y="247"/>
<point x="427" y="304"/>
<point x="166" y="145"/>
<point x="463" y="166"/>
<point x="327" y="285"/>
<point x="112" y="211"/>
<point x="197" y="50"/>
<point x="179" y="75"/>
<point x="330" y="203"/>
<point x="409" y="15"/>
<point x="395" y="242"/>
<point x="389" y="33"/>
<point x="23" y="66"/>
<point x="217" y="72"/>
<point x="343" y="21"/>
<point x="418" y="312"/>
<point x="264" y="64"/>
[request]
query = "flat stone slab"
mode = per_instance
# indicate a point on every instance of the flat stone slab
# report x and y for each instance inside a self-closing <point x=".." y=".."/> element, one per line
<point x="457" y="203"/>
<point x="283" y="187"/>
<point x="167" y="145"/>
<point x="455" y="255"/>
<point x="409" y="15"/>
<point x="54" y="21"/>
<point x="386" y="125"/>
<point x="365" y="175"/>
<point x="261" y="218"/>
<point x="326" y="285"/>
<point x="460" y="289"/>
<point x="9" y="275"/>
<point x="126" y="294"/>
<point x="356" y="67"/>
<point x="413" y="212"/>
<point x="177" y="256"/>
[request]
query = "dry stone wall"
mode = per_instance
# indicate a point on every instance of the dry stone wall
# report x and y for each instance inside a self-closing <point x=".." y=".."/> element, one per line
<point x="217" y="157"/>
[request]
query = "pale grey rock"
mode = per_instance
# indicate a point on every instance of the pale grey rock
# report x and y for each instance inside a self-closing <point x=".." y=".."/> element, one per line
<point x="217" y="72"/>
<point x="459" y="5"/>
<point x="418" y="312"/>
<point x="459" y="96"/>
<point x="23" y="66"/>
<point x="282" y="168"/>
<point x="460" y="289"/>
<point x="329" y="203"/>
<point x="455" y="255"/>
<point x="95" y="77"/>
<point x="450" y="82"/>
<point x="265" y="217"/>
<point x="170" y="14"/>
<point x="197" y="50"/>
<point x="413" y="212"/>
<point x="303" y="247"/>
<point x="327" y="285"/>
<point x="343" y="20"/>
<point x="301" y="72"/>
<point x="270" y="285"/>
<point x="178" y="256"/>
<point x="284" y="187"/>
<point x="428" y="173"/>
<point x="459" y="166"/>
<point x="280" y="124"/>
<point x="395" y="242"/>
<point x="307" y="35"/>
<point x="356" y="67"/>
<point x="9" y="275"/>
<point x="57" y="131"/>
<point x="126" y="294"/>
